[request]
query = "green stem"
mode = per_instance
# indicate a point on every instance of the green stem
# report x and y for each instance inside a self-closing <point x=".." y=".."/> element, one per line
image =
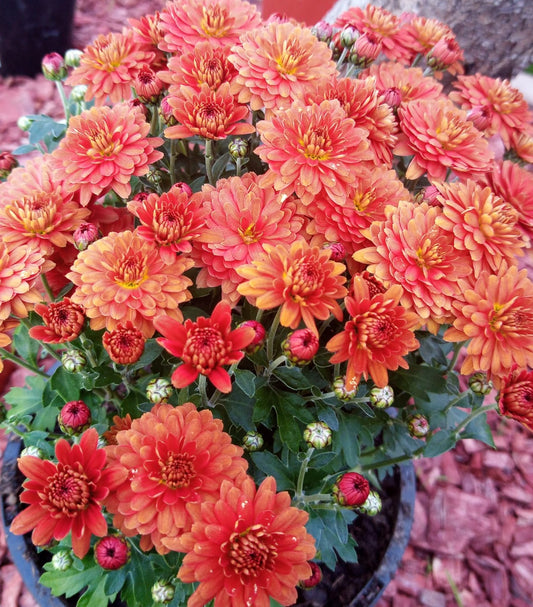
<point x="47" y="287"/>
<point x="44" y="346"/>
<point x="238" y="167"/>
<point x="473" y="415"/>
<point x="391" y="461"/>
<point x="342" y="57"/>
<point x="456" y="351"/>
<point x="154" y="122"/>
<point x="22" y="363"/>
<point x="64" y="100"/>
<point x="272" y="335"/>
<point x="299" y="494"/>
<point x="315" y="497"/>
<point x="209" y="161"/>
<point x="275" y="363"/>
<point x="202" y="388"/>
<point x="173" y="156"/>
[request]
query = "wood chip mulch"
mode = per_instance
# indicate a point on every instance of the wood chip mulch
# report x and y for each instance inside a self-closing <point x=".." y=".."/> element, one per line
<point x="472" y="539"/>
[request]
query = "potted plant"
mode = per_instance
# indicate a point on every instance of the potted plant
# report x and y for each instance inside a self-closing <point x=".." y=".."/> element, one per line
<point x="241" y="274"/>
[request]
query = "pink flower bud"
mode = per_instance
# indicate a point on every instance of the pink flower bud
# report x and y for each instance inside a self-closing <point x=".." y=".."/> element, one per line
<point x="147" y="85"/>
<point x="166" y="112"/>
<point x="480" y="116"/>
<point x="259" y="338"/>
<point x="53" y="67"/>
<point x="183" y="187"/>
<point x="112" y="552"/>
<point x="74" y="417"/>
<point x="366" y="49"/>
<point x="351" y="489"/>
<point x="84" y="235"/>
<point x="338" y="250"/>
<point x="7" y="163"/>
<point x="392" y="97"/>
<point x="300" y="347"/>
<point x="314" y="579"/>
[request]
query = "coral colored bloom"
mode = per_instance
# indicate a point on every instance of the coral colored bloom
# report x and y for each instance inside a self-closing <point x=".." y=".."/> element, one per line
<point x="312" y="148"/>
<point x="172" y="221"/>
<point x="522" y="144"/>
<point x="36" y="206"/>
<point x="378" y="335"/>
<point x="148" y="86"/>
<point x="277" y="63"/>
<point x="103" y="148"/>
<point x="441" y="139"/>
<point x="497" y="320"/>
<point x="411" y="250"/>
<point x="119" y="423"/>
<point x="109" y="66"/>
<point x="205" y="346"/>
<point x="122" y="277"/>
<point x="112" y="552"/>
<point x="300" y="346"/>
<point x="207" y="113"/>
<point x="186" y="23"/>
<point x="351" y="489"/>
<point x="516" y="397"/>
<point x="253" y="546"/>
<point x="63" y="322"/>
<point x="67" y="496"/>
<point x="505" y="104"/>
<point x="482" y="224"/>
<point x="245" y="217"/>
<point x="125" y="344"/>
<point x="445" y="54"/>
<point x="172" y="457"/>
<point x="302" y="279"/>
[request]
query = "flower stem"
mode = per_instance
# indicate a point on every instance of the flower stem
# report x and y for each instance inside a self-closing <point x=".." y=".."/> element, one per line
<point x="22" y="363"/>
<point x="209" y="161"/>
<point x="456" y="351"/>
<point x="299" y="494"/>
<point x="275" y="363"/>
<point x="272" y="335"/>
<point x="64" y="100"/>
<point x="473" y="415"/>
<point x="202" y="388"/>
<point x="44" y="346"/>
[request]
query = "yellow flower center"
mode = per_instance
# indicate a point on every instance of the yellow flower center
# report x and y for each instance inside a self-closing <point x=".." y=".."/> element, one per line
<point x="215" y="21"/>
<point x="35" y="214"/>
<point x="108" y="55"/>
<point x="291" y="58"/>
<point x="362" y="200"/>
<point x="452" y="131"/>
<point x="316" y="144"/>
<point x="130" y="271"/>
<point x="103" y="145"/>
<point x="248" y="234"/>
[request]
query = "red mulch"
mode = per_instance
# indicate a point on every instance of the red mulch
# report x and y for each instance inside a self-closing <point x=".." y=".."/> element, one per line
<point x="473" y="531"/>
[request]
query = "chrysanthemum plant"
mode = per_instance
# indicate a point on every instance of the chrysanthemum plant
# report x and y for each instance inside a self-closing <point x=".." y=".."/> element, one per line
<point x="257" y="266"/>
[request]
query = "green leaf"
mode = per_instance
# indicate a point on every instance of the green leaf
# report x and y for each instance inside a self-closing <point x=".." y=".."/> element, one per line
<point x="25" y="401"/>
<point x="220" y="165"/>
<point x="95" y="595"/>
<point x="265" y="399"/>
<point x="292" y="377"/>
<point x="479" y="429"/>
<point x="246" y="381"/>
<point x="115" y="580"/>
<point x="67" y="385"/>
<point x="440" y="443"/>
<point x="72" y="581"/>
<point x="419" y="380"/>
<point x="345" y="440"/>
<point x="44" y="127"/>
<point x="270" y="465"/>
<point x="25" y="346"/>
<point x="240" y="409"/>
<point x="433" y="349"/>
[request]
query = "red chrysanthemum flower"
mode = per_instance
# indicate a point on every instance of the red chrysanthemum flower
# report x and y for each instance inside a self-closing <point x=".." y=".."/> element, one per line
<point x="172" y="221"/>
<point x="378" y="335"/>
<point x="102" y="149"/>
<point x="247" y="547"/>
<point x="276" y="63"/>
<point x="66" y="497"/>
<point x="351" y="489"/>
<point x="482" y="224"/>
<point x="302" y="279"/>
<point x="63" y="322"/>
<point x="122" y="277"/>
<point x="441" y="138"/>
<point x="36" y="207"/>
<point x="125" y="344"/>
<point x="207" y="113"/>
<point x="410" y="249"/>
<point x="312" y="148"/>
<point x="497" y="320"/>
<point x="112" y="552"/>
<point x="245" y="217"/>
<point x="506" y="105"/>
<point x="516" y="397"/>
<point x="185" y="23"/>
<point x="172" y="457"/>
<point x="109" y="66"/>
<point x="205" y="346"/>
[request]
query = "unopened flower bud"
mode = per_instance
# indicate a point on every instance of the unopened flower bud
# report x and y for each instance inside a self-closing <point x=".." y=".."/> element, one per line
<point x="137" y="105"/>
<point x="314" y="579"/>
<point x="418" y="425"/>
<point x="338" y="250"/>
<point x="300" y="347"/>
<point x="73" y="57"/>
<point x="366" y="49"/>
<point x="74" y="417"/>
<point x="166" y="112"/>
<point x="480" y="116"/>
<point x="343" y="392"/>
<point x="336" y="46"/>
<point x="84" y="235"/>
<point x="159" y="390"/>
<point x="317" y="435"/>
<point x="430" y="195"/>
<point x="445" y="53"/>
<point x="479" y="384"/>
<point x="33" y="451"/>
<point x="125" y="344"/>
<point x="259" y="338"/>
<point x="323" y="31"/>
<point x="348" y="36"/>
<point x="351" y="489"/>
<point x="73" y="361"/>
<point x="238" y="148"/>
<point x="7" y="163"/>
<point x="62" y="560"/>
<point x="372" y="505"/>
<point x="78" y="92"/>
<point x="382" y="398"/>
<point x="252" y="441"/>
<point x="147" y="85"/>
<point x="392" y="97"/>
<point x="24" y="123"/>
<point x="183" y="187"/>
<point x="162" y="592"/>
<point x="112" y="552"/>
<point x="53" y="67"/>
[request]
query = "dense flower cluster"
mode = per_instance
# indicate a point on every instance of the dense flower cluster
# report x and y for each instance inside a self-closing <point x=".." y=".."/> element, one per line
<point x="250" y="259"/>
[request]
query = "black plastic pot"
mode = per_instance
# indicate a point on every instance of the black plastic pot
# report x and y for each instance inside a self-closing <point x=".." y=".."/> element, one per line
<point x="29" y="29"/>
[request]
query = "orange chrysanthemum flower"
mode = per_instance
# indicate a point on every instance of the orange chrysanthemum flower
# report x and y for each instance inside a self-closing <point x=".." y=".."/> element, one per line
<point x="67" y="496"/>
<point x="172" y="457"/>
<point x="185" y="23"/>
<point x="102" y="149"/>
<point x="63" y="322"/>
<point x="303" y="280"/>
<point x="425" y="32"/>
<point x="207" y="113"/>
<point x="147" y="34"/>
<point x="505" y="105"/>
<point x="36" y="207"/>
<point x="245" y="216"/>
<point x="311" y="149"/>
<point x="276" y="63"/>
<point x="202" y="65"/>
<point x="441" y="139"/>
<point x="109" y="66"/>
<point x="205" y="346"/>
<point x="122" y="277"/>
<point x="248" y="546"/>
<point x="172" y="221"/>
<point x="522" y="144"/>
<point x="365" y="202"/>
<point x="383" y="25"/>
<point x="497" y="321"/>
<point x="125" y="344"/>
<point x="410" y="249"/>
<point x="363" y="104"/>
<point x="119" y="423"/>
<point x="20" y="268"/>
<point x="516" y="397"/>
<point x="482" y="224"/>
<point x="378" y="335"/>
